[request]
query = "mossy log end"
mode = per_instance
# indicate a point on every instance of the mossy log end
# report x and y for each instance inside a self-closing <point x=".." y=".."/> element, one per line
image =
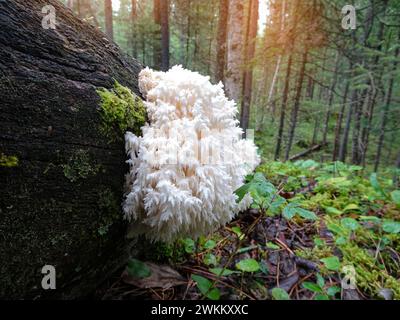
<point x="61" y="193"/>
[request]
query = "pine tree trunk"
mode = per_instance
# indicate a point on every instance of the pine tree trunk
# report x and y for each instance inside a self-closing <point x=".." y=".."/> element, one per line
<point x="233" y="75"/>
<point x="330" y="99"/>
<point x="248" y="74"/>
<point x="164" y="15"/>
<point x="108" y="16"/>
<point x="339" y="122"/>
<point x="157" y="55"/>
<point x="385" y="113"/>
<point x="296" y="106"/>
<point x="61" y="204"/>
<point x="346" y="133"/>
<point x="373" y="94"/>
<point x="133" y="28"/>
<point x="221" y="40"/>
<point x="283" y="109"/>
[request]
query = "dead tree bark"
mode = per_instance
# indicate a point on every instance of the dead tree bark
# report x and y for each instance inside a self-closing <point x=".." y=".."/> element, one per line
<point x="306" y="152"/>
<point x="50" y="122"/>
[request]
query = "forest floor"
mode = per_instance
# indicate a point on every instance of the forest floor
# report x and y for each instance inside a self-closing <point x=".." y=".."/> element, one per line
<point x="315" y="231"/>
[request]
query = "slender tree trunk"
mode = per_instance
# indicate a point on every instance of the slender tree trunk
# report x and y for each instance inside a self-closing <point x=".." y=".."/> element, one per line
<point x="272" y="89"/>
<point x="330" y="99"/>
<point x="164" y="13"/>
<point x="356" y="145"/>
<point x="346" y="133"/>
<point x="373" y="94"/>
<point x="108" y="16"/>
<point x="157" y="34"/>
<point x="248" y="74"/>
<point x="196" y="37"/>
<point x="339" y="122"/>
<point x="385" y="112"/>
<point x="70" y="4"/>
<point x="271" y="92"/>
<point x="396" y="177"/>
<point x="321" y="95"/>
<point x="188" y="34"/>
<point x="133" y="27"/>
<point x="233" y="75"/>
<point x="283" y="109"/>
<point x="296" y="106"/>
<point x="221" y="40"/>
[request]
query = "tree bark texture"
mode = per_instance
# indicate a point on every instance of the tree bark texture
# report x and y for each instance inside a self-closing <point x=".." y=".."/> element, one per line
<point x="233" y="76"/>
<point x="60" y="205"/>
<point x="221" y="40"/>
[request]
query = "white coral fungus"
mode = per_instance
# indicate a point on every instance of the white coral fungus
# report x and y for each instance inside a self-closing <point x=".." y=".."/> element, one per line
<point x="190" y="160"/>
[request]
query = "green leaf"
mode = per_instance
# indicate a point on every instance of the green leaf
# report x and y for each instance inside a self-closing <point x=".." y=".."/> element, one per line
<point x="238" y="232"/>
<point x="351" y="207"/>
<point x="331" y="263"/>
<point x="242" y="191"/>
<point x="289" y="211"/>
<point x="279" y="294"/>
<point x="321" y="297"/>
<point x="312" y="286"/>
<point x="222" y="272"/>
<point x="340" y="241"/>
<point x="189" y="245"/>
<point x="370" y="219"/>
<point x="276" y="204"/>
<point x="306" y="214"/>
<point x="273" y="246"/>
<point x="332" y="291"/>
<point x="335" y="228"/>
<point x="210" y="244"/>
<point x="210" y="259"/>
<point x="138" y="269"/>
<point x="376" y="185"/>
<point x="264" y="267"/>
<point x="204" y="286"/>
<point x="245" y="249"/>
<point x="332" y="210"/>
<point x="391" y="226"/>
<point x="320" y="281"/>
<point x="396" y="197"/>
<point x="258" y="188"/>
<point x="319" y="242"/>
<point x="248" y="265"/>
<point x="350" y="223"/>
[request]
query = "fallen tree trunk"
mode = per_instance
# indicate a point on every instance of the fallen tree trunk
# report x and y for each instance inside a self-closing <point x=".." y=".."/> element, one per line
<point x="61" y="179"/>
<point x="307" y="152"/>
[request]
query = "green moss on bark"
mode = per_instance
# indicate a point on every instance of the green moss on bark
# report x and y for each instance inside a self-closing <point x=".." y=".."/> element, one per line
<point x="8" y="161"/>
<point x="80" y="166"/>
<point x="121" y="110"/>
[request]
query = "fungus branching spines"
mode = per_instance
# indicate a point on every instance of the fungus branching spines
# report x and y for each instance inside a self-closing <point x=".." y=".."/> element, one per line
<point x="190" y="159"/>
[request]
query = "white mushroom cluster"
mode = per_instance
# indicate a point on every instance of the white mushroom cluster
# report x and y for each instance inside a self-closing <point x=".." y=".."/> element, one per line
<point x="190" y="159"/>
